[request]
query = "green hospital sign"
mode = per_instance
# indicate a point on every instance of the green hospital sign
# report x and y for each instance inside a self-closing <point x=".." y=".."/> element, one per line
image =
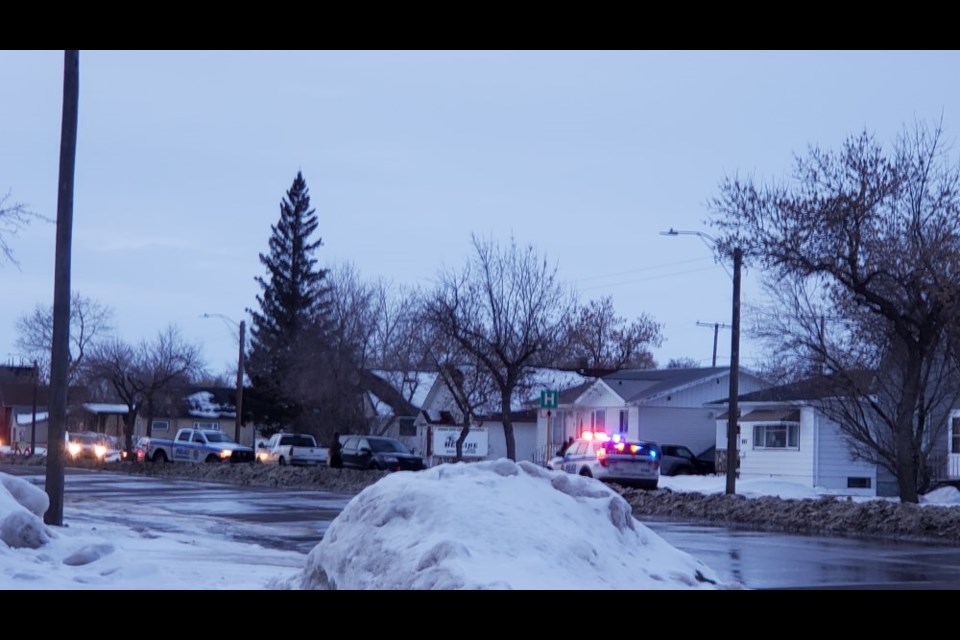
<point x="549" y="399"/>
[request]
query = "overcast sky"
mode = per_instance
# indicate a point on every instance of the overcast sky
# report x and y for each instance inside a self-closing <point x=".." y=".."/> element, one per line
<point x="183" y="158"/>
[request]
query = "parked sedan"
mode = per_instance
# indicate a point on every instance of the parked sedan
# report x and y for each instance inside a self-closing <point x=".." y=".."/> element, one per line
<point x="378" y="452"/>
<point x="679" y="460"/>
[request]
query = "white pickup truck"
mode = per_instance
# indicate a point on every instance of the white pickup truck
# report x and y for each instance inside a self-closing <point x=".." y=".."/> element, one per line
<point x="291" y="448"/>
<point x="196" y="445"/>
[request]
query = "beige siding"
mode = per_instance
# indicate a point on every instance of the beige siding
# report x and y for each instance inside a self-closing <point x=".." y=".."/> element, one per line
<point x="693" y="427"/>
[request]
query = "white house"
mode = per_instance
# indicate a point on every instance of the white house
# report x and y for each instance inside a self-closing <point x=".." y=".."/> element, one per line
<point x="439" y="419"/>
<point x="662" y="405"/>
<point x="784" y="436"/>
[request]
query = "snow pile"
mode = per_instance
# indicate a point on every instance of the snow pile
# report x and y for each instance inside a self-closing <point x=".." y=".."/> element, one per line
<point x="942" y="496"/>
<point x="495" y="525"/>
<point x="22" y="506"/>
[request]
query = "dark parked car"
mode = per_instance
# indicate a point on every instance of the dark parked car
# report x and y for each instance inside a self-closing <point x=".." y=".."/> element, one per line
<point x="378" y="452"/>
<point x="679" y="460"/>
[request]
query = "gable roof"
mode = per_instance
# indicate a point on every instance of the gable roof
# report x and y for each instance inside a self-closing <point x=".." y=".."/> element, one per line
<point x="635" y="385"/>
<point x="808" y="389"/>
<point x="389" y="390"/>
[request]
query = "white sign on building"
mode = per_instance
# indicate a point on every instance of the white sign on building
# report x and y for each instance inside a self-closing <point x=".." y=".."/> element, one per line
<point x="445" y="442"/>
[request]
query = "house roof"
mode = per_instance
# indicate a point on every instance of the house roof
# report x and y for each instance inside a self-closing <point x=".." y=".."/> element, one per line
<point x="110" y="409"/>
<point x="813" y="388"/>
<point x="635" y="385"/>
<point x="398" y="393"/>
<point x="209" y="402"/>
<point x="767" y="415"/>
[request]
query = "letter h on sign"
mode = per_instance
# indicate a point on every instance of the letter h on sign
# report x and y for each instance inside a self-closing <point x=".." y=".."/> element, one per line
<point x="549" y="399"/>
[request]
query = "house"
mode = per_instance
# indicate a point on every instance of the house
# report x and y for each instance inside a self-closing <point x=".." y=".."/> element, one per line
<point x="783" y="435"/>
<point x="392" y="401"/>
<point x="662" y="405"/>
<point x="440" y="423"/>
<point x="19" y="392"/>
<point x="198" y="408"/>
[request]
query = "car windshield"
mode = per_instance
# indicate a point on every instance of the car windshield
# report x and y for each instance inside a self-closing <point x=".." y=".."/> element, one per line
<point x="216" y="436"/>
<point x="85" y="438"/>
<point x="297" y="441"/>
<point x="388" y="446"/>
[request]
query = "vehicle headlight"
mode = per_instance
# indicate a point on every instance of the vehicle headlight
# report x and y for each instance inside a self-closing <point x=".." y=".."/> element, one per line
<point x="225" y="453"/>
<point x="99" y="450"/>
<point x="73" y="449"/>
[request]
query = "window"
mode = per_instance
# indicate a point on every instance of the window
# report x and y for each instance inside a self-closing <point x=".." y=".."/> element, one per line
<point x="624" y="420"/>
<point x="858" y="483"/>
<point x="184" y="436"/>
<point x="207" y="425"/>
<point x="598" y="420"/>
<point x="955" y="439"/>
<point x="160" y="425"/>
<point x="407" y="428"/>
<point x="784" y="435"/>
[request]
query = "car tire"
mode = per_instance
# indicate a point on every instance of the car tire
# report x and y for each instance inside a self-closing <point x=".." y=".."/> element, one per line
<point x="282" y="461"/>
<point x="212" y="458"/>
<point x="683" y="471"/>
<point x="586" y="473"/>
<point x="160" y="457"/>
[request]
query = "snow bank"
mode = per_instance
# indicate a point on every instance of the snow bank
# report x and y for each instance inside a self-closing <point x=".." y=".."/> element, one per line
<point x="22" y="506"/>
<point x="495" y="525"/>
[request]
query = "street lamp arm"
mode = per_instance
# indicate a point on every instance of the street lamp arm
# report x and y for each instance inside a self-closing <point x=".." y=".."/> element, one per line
<point x="733" y="436"/>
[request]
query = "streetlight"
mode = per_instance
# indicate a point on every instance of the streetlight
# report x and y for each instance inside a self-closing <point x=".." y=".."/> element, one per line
<point x="733" y="415"/>
<point x="240" y="359"/>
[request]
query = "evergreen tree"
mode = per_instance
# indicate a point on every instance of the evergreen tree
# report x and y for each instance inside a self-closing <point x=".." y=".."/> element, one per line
<point x="292" y="308"/>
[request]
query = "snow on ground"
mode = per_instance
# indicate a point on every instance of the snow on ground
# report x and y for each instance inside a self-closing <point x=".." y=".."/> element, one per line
<point x="484" y="525"/>
<point x="496" y="525"/>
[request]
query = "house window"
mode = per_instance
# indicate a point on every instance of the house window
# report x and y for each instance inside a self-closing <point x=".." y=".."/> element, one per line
<point x="858" y="483"/>
<point x="955" y="439"/>
<point x="784" y="435"/>
<point x="160" y="425"/>
<point x="407" y="428"/>
<point x="598" y="420"/>
<point x="207" y="425"/>
<point x="624" y="421"/>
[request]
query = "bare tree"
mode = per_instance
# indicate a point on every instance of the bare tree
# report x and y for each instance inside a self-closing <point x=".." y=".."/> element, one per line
<point x="471" y="388"/>
<point x="90" y="321"/>
<point x="876" y="238"/>
<point x="14" y="216"/>
<point x="507" y="309"/>
<point x="600" y="339"/>
<point x="683" y="363"/>
<point x="144" y="377"/>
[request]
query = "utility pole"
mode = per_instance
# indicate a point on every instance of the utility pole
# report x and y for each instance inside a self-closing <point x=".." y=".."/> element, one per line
<point x="733" y="434"/>
<point x="33" y="419"/>
<point x="733" y="417"/>
<point x="253" y="440"/>
<point x="60" y="354"/>
<point x="716" y="329"/>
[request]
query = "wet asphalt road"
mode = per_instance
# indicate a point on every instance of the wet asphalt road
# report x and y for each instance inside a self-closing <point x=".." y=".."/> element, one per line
<point x="296" y="520"/>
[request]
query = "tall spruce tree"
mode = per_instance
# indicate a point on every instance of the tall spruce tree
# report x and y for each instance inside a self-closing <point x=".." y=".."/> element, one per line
<point x="292" y="309"/>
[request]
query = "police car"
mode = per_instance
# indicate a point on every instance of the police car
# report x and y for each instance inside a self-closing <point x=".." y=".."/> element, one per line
<point x="613" y="459"/>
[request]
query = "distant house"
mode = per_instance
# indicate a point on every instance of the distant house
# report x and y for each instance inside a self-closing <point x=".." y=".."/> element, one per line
<point x="783" y="435"/>
<point x="18" y="390"/>
<point x="198" y="408"/>
<point x="662" y="405"/>
<point x="393" y="400"/>
<point x="439" y="422"/>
